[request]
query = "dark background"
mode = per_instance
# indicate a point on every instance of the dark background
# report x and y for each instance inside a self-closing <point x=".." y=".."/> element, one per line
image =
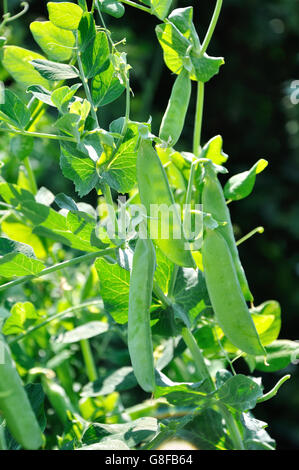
<point x="248" y="103"/>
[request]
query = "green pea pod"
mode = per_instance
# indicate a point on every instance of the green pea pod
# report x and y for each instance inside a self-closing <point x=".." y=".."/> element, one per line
<point x="58" y="399"/>
<point x="15" y="405"/>
<point x="164" y="224"/>
<point x="140" y="299"/>
<point x="213" y="201"/>
<point x="175" y="114"/>
<point x="227" y="299"/>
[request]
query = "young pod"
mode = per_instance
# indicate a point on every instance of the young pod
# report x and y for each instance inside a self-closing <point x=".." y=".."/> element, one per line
<point x="15" y="405"/>
<point x="213" y="202"/>
<point x="140" y="299"/>
<point x="163" y="215"/>
<point x="227" y="299"/>
<point x="175" y="114"/>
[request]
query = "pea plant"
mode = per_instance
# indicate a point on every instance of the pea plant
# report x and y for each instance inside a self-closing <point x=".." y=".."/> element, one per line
<point x="123" y="323"/>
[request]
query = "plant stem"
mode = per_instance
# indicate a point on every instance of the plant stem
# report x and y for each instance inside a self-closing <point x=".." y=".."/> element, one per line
<point x="211" y="28"/>
<point x="30" y="175"/>
<point x="232" y="427"/>
<point x="40" y="135"/>
<point x="57" y="267"/>
<point x="198" y="119"/>
<point x="274" y="390"/>
<point x="249" y="235"/>
<point x="173" y="280"/>
<point x="88" y="360"/>
<point x="55" y="317"/>
<point x="136" y="5"/>
<point x="5" y="7"/>
<point x="200" y="364"/>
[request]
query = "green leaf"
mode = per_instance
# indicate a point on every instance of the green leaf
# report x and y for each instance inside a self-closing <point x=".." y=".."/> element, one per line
<point x="65" y="15"/>
<point x="68" y="124"/>
<point x="114" y="289"/>
<point x="182" y="19"/>
<point x="239" y="392"/>
<point x="191" y="292"/>
<point x="54" y="70"/>
<point x="86" y="31"/>
<point x="267" y="320"/>
<point x="213" y="151"/>
<point x="280" y="354"/>
<point x="119" y="381"/>
<point x="160" y="8"/>
<point x="79" y="168"/>
<point x="120" y="173"/>
<point x="85" y="228"/>
<point x="41" y="93"/>
<point x="254" y="435"/>
<point x="182" y="394"/>
<point x="22" y="314"/>
<point x="63" y="96"/>
<point x="56" y="43"/>
<point x="112" y="7"/>
<point x="66" y="202"/>
<point x="109" y="444"/>
<point x="17" y="259"/>
<point x="205" y="67"/>
<point x="86" y="331"/>
<point x="13" y="111"/>
<point x="241" y="185"/>
<point x="95" y="55"/>
<point x="132" y="433"/>
<point x="17" y="61"/>
<point x="106" y="87"/>
<point x="174" y="45"/>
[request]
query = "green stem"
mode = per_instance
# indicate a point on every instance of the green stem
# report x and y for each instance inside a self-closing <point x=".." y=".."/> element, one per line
<point x="5" y="7"/>
<point x="173" y="280"/>
<point x="39" y="135"/>
<point x="211" y="28"/>
<point x="274" y="390"/>
<point x="232" y="427"/>
<point x="161" y="296"/>
<point x="55" y="317"/>
<point x="250" y="234"/>
<point x="88" y="360"/>
<point x="198" y="119"/>
<point x="200" y="364"/>
<point x="57" y="267"/>
<point x="30" y="174"/>
<point x="136" y="5"/>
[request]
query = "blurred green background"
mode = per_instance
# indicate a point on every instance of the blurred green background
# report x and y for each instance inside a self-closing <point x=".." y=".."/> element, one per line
<point x="249" y="104"/>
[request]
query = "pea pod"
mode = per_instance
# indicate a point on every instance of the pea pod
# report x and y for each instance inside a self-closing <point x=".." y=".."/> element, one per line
<point x="227" y="299"/>
<point x="213" y="201"/>
<point x="155" y="192"/>
<point x="140" y="298"/>
<point x="58" y="399"/>
<point x="15" y="405"/>
<point x="175" y="114"/>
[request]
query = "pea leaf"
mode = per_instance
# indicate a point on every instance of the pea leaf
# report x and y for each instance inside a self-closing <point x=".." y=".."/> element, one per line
<point x="160" y="8"/>
<point x="183" y="394"/>
<point x="95" y="55"/>
<point x="120" y="173"/>
<point x="213" y="150"/>
<point x="86" y="31"/>
<point x="205" y="67"/>
<point x="41" y="93"/>
<point x="241" y="185"/>
<point x="106" y="87"/>
<point x="17" y="259"/>
<point x="63" y="96"/>
<point x="86" y="331"/>
<point x="79" y="168"/>
<point x="132" y="433"/>
<point x="254" y="435"/>
<point x="114" y="289"/>
<point x="120" y="380"/>
<point x="240" y="392"/>
<point x="55" y="42"/>
<point x="22" y="314"/>
<point x="174" y="45"/>
<point x="54" y="70"/>
<point x="23" y="233"/>
<point x="17" y="61"/>
<point x="267" y="320"/>
<point x="112" y="7"/>
<point x="280" y="354"/>
<point x="65" y="15"/>
<point x="13" y="111"/>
